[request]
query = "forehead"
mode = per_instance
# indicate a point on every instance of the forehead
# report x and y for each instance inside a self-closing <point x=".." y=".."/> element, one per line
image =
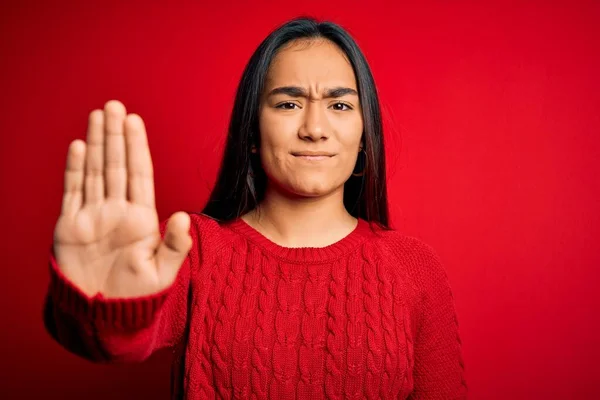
<point x="311" y="63"/>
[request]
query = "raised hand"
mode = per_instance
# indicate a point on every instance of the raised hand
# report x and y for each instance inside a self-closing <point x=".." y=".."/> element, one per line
<point x="107" y="237"/>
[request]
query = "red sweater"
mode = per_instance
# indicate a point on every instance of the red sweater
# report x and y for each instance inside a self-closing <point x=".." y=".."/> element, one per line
<point x="371" y="316"/>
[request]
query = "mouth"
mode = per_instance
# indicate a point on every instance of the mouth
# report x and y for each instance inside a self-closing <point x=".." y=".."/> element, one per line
<point x="313" y="155"/>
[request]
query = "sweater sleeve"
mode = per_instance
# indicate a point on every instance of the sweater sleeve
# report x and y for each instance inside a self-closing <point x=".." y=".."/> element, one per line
<point x="439" y="368"/>
<point x="117" y="330"/>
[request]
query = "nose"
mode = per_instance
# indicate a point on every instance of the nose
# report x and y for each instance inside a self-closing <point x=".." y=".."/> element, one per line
<point x="315" y="125"/>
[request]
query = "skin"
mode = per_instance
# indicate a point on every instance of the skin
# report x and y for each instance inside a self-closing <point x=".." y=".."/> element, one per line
<point x="303" y="205"/>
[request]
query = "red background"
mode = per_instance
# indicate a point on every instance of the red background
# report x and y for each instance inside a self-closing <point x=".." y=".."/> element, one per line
<point x="491" y="117"/>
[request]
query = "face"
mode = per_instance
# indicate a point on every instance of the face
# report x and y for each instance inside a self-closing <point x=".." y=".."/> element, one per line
<point x="310" y="119"/>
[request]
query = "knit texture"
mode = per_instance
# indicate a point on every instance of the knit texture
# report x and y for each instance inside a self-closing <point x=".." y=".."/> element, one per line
<point x="369" y="317"/>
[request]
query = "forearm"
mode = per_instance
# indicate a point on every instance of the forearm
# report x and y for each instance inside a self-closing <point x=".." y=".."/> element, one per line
<point x="114" y="330"/>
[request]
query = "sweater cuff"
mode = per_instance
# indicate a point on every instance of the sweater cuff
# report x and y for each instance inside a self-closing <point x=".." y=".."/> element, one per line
<point x="114" y="314"/>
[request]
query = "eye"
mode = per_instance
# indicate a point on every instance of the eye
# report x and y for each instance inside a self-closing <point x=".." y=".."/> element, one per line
<point x="287" y="106"/>
<point x="340" y="107"/>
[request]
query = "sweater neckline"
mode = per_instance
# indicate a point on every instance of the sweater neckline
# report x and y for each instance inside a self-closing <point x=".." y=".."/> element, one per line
<point x="304" y="254"/>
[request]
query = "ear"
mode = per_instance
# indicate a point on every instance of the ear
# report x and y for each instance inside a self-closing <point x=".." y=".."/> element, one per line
<point x="253" y="149"/>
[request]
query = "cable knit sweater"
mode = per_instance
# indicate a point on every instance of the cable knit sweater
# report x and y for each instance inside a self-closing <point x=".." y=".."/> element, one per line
<point x="370" y="316"/>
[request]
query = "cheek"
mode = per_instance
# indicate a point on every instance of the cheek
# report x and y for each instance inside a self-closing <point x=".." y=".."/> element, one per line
<point x="273" y="162"/>
<point x="274" y="157"/>
<point x="349" y="129"/>
<point x="351" y="143"/>
<point x="276" y="134"/>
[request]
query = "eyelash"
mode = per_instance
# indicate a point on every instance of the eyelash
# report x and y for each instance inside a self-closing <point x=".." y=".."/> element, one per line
<point x="287" y="102"/>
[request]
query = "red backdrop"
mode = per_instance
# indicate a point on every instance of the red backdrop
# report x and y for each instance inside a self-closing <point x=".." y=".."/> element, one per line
<point x="491" y="117"/>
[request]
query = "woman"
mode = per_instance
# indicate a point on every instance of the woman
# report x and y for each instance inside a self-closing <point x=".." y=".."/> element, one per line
<point x="289" y="284"/>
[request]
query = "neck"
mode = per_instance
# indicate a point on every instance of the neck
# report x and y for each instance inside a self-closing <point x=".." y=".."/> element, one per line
<point x="294" y="221"/>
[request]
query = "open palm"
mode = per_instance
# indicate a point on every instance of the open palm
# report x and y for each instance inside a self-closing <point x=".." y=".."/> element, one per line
<point x="107" y="237"/>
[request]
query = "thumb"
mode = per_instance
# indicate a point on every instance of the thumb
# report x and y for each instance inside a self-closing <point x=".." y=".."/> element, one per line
<point x="174" y="248"/>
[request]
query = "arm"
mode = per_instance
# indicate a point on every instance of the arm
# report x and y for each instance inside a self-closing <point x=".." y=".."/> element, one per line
<point x="439" y="368"/>
<point x="118" y="330"/>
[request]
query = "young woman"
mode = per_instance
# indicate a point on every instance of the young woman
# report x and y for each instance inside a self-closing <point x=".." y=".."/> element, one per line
<point x="289" y="284"/>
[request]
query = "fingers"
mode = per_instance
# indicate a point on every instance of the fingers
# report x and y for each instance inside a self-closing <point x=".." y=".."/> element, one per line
<point x="94" y="159"/>
<point x="74" y="178"/>
<point x="118" y="164"/>
<point x="114" y="155"/>
<point x="140" y="178"/>
<point x="174" y="248"/>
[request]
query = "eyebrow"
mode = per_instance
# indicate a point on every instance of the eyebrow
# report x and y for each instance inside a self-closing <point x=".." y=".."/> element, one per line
<point x="297" y="91"/>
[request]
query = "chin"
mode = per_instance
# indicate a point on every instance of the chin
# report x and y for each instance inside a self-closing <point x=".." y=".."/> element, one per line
<point x="307" y="185"/>
<point x="310" y="193"/>
<point x="312" y="189"/>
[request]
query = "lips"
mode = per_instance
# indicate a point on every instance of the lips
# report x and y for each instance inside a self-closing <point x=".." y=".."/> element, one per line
<point x="313" y="155"/>
<point x="322" y="154"/>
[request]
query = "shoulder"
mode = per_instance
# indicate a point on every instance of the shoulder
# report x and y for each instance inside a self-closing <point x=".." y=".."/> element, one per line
<point x="408" y="248"/>
<point x="208" y="234"/>
<point x="201" y="225"/>
<point x="410" y="258"/>
<point x="205" y="224"/>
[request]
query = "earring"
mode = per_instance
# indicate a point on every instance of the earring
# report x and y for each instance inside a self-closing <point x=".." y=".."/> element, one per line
<point x="253" y="152"/>
<point x="361" y="161"/>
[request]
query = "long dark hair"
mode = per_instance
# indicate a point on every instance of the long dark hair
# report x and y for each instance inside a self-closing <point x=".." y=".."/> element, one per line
<point x="241" y="182"/>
